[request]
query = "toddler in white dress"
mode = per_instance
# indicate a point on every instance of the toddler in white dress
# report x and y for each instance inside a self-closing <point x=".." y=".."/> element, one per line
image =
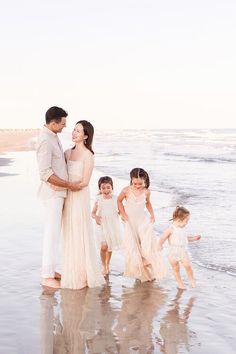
<point x="105" y="213"/>
<point x="178" y="245"/>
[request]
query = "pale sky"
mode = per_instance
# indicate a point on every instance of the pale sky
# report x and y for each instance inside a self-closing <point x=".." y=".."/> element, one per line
<point x="119" y="64"/>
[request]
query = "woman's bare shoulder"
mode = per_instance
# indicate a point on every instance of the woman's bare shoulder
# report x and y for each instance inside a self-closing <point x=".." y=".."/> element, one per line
<point x="87" y="156"/>
<point x="67" y="153"/>
<point x="87" y="153"/>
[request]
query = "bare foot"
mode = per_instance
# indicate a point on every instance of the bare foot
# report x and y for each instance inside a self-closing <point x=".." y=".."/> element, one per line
<point x="104" y="271"/>
<point x="57" y="276"/>
<point x="51" y="283"/>
<point x="193" y="283"/>
<point x="48" y="291"/>
<point x="181" y="286"/>
<point x="107" y="270"/>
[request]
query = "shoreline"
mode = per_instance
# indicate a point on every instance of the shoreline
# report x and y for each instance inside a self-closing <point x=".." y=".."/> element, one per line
<point x="123" y="317"/>
<point x="17" y="140"/>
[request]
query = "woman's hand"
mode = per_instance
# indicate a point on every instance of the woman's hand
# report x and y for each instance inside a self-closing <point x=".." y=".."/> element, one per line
<point x="75" y="186"/>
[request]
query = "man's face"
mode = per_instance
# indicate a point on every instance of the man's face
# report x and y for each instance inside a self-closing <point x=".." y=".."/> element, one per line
<point x="57" y="127"/>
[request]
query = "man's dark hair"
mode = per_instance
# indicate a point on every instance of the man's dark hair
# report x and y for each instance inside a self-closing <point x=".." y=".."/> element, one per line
<point x="55" y="114"/>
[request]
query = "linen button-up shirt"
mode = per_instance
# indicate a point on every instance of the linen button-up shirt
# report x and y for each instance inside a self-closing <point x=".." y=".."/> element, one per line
<point x="51" y="160"/>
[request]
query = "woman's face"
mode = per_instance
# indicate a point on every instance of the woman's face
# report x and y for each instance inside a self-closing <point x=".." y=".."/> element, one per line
<point x="78" y="134"/>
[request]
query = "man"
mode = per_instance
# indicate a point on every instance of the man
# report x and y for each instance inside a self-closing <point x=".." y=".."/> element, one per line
<point x="53" y="189"/>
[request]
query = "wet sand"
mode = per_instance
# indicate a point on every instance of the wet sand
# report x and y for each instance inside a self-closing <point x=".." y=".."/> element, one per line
<point x="122" y="317"/>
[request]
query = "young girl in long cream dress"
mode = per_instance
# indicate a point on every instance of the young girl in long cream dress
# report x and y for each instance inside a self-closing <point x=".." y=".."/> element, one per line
<point x="105" y="213"/>
<point x="143" y="259"/>
<point x="80" y="266"/>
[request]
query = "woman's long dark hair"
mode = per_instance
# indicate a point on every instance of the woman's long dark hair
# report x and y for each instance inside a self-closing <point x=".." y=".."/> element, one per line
<point x="89" y="131"/>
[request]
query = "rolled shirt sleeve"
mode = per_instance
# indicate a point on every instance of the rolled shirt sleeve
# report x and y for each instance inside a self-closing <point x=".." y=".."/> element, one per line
<point x="44" y="157"/>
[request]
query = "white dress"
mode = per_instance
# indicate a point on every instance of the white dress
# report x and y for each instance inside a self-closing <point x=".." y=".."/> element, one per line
<point x="143" y="259"/>
<point x="178" y="243"/>
<point x="80" y="266"/>
<point x="109" y="230"/>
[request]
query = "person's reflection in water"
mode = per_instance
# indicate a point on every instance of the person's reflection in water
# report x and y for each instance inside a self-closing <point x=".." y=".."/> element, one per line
<point x="87" y="319"/>
<point x="100" y="316"/>
<point x="135" y="323"/>
<point x="90" y="320"/>
<point x="70" y="338"/>
<point x="48" y="319"/>
<point x="174" y="327"/>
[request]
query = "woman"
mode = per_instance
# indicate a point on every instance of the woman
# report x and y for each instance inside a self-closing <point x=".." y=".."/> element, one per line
<point x="80" y="266"/>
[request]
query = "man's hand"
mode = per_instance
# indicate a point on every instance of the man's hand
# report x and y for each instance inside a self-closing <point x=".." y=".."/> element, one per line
<point x="74" y="186"/>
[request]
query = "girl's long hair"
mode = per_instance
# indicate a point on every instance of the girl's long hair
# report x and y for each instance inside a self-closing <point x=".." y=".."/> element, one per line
<point x="140" y="173"/>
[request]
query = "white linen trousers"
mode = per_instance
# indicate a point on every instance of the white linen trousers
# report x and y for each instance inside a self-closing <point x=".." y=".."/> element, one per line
<point x="53" y="216"/>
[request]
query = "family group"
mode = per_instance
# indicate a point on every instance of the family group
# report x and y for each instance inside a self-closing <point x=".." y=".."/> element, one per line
<point x="64" y="189"/>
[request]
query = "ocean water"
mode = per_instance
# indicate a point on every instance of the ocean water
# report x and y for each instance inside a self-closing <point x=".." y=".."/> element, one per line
<point x="194" y="168"/>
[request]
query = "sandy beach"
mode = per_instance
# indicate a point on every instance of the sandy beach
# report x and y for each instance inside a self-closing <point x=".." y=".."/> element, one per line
<point x="122" y="317"/>
<point x="17" y="139"/>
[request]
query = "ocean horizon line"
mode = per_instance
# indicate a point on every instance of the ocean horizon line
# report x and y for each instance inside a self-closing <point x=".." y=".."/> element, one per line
<point x="125" y="129"/>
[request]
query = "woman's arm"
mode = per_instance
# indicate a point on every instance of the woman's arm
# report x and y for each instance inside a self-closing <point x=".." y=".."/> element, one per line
<point x="88" y="169"/>
<point x="121" y="208"/>
<point x="149" y="207"/>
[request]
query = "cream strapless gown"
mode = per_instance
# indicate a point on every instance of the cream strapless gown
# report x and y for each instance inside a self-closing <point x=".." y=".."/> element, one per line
<point x="80" y="266"/>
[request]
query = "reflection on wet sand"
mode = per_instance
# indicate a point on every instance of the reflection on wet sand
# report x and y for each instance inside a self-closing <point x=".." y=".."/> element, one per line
<point x="82" y="324"/>
<point x="87" y="322"/>
<point x="134" y="328"/>
<point x="174" y="330"/>
<point x="68" y="338"/>
<point x="47" y="320"/>
<point x="101" y="320"/>
<point x="100" y="316"/>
